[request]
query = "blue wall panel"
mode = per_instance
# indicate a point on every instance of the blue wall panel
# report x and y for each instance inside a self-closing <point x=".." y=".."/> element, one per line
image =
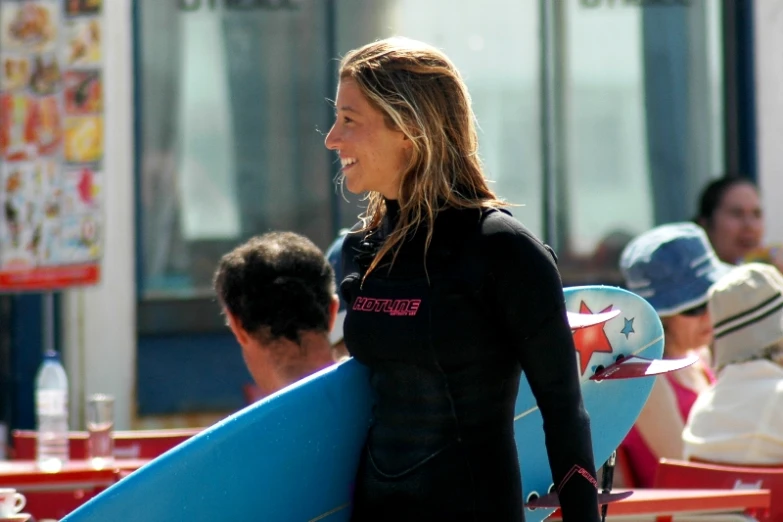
<point x="189" y="374"/>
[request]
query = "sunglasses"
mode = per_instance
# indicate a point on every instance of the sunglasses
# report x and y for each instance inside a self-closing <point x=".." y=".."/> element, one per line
<point x="696" y="311"/>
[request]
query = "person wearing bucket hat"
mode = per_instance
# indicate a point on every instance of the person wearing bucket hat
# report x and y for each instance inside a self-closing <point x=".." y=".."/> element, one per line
<point x="277" y="291"/>
<point x="740" y="419"/>
<point x="672" y="266"/>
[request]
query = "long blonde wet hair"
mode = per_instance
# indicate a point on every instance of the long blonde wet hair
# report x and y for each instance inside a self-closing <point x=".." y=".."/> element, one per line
<point x="421" y="93"/>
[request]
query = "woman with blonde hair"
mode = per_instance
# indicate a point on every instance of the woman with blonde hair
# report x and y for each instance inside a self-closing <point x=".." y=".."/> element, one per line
<point x="448" y="299"/>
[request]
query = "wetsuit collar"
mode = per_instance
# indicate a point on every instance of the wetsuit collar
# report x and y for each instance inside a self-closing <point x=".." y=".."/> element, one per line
<point x="392" y="213"/>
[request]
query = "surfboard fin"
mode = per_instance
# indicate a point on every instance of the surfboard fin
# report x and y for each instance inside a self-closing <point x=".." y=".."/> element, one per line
<point x="634" y="366"/>
<point x="551" y="500"/>
<point x="577" y="320"/>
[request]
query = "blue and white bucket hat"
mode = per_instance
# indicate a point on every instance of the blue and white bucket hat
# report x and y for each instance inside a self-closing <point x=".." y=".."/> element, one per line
<point x="672" y="266"/>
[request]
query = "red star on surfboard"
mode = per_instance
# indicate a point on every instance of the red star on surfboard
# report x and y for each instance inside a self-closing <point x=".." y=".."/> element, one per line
<point x="591" y="339"/>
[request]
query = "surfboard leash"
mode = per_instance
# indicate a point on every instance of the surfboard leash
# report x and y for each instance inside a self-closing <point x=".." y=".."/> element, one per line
<point x="606" y="481"/>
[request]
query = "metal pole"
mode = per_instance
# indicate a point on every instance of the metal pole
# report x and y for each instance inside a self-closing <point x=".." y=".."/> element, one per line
<point x="48" y="322"/>
<point x="731" y="133"/>
<point x="548" y="119"/>
<point x="332" y="67"/>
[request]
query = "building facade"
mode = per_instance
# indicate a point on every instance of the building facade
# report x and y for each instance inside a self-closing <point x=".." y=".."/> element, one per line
<point x="598" y="118"/>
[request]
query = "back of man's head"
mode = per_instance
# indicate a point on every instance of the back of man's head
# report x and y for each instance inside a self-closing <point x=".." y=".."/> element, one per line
<point x="278" y="285"/>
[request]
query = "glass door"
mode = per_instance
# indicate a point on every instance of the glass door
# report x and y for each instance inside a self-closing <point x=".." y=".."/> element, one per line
<point x="640" y="97"/>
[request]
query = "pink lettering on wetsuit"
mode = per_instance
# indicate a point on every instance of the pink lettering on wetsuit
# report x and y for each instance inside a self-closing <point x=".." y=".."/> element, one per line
<point x="578" y="470"/>
<point x="393" y="307"/>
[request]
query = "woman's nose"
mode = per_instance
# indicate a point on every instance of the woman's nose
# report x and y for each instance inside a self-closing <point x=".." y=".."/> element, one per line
<point x="706" y="319"/>
<point x="332" y="140"/>
<point x="753" y="221"/>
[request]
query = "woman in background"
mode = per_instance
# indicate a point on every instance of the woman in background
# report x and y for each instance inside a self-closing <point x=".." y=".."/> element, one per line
<point x="730" y="212"/>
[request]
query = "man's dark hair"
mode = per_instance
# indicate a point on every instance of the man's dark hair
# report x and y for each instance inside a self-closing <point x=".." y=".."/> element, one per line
<point x="712" y="195"/>
<point x="276" y="285"/>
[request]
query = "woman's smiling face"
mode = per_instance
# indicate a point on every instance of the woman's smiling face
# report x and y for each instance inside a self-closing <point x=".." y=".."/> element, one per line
<point x="373" y="155"/>
<point x="737" y="226"/>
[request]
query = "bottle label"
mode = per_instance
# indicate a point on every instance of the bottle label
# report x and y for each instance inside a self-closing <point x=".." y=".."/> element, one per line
<point x="51" y="402"/>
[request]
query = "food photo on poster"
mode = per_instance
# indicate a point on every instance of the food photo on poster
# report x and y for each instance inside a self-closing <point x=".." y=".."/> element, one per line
<point x="81" y="191"/>
<point x="32" y="26"/>
<point x="15" y="71"/>
<point x="81" y="7"/>
<point x="83" y="139"/>
<point x="79" y="239"/>
<point x="17" y="133"/>
<point x="83" y="37"/>
<point x="23" y="215"/>
<point x="83" y="92"/>
<point x="47" y="122"/>
<point x="45" y="77"/>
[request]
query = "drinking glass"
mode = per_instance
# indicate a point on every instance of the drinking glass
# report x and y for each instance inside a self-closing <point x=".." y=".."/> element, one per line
<point x="100" y="425"/>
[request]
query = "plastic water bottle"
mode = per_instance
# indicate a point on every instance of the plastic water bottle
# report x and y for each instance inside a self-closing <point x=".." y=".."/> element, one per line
<point x="51" y="406"/>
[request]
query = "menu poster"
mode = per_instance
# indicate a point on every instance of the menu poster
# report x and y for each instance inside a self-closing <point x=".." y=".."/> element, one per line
<point x="51" y="144"/>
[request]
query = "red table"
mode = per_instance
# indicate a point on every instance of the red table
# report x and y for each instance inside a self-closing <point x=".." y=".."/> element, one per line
<point x="134" y="444"/>
<point x="55" y="494"/>
<point x="664" y="503"/>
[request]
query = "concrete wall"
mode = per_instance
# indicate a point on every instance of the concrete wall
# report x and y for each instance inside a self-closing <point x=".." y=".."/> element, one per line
<point x="99" y="324"/>
<point x="768" y="21"/>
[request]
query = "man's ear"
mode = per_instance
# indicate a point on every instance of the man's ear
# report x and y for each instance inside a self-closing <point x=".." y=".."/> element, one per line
<point x="334" y="307"/>
<point x="243" y="338"/>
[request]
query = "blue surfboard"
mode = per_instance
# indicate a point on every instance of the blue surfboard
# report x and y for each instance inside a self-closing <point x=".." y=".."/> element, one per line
<point x="293" y="455"/>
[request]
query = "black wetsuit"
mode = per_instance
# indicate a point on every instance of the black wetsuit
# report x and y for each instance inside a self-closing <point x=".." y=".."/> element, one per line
<point x="446" y="348"/>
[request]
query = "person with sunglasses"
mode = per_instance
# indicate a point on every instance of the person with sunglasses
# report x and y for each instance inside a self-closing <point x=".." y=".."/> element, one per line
<point x="671" y="266"/>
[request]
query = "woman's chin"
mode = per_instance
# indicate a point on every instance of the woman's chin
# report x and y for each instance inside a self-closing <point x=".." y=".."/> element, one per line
<point x="352" y="186"/>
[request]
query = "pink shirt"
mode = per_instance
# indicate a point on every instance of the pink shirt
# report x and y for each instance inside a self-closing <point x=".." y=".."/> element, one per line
<point x="641" y="460"/>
